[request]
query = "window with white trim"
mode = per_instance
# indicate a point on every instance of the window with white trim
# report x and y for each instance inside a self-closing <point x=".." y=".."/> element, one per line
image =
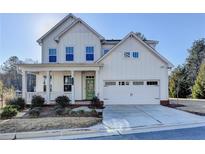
<point x="150" y="83"/>
<point x="123" y="83"/>
<point x="110" y="83"/>
<point x="137" y="83"/>
<point x="67" y="83"/>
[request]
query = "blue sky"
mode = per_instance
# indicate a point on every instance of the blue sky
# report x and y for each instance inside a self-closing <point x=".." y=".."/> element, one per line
<point x="175" y="32"/>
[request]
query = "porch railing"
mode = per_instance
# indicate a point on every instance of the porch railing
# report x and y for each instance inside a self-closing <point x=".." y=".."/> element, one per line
<point x="53" y="95"/>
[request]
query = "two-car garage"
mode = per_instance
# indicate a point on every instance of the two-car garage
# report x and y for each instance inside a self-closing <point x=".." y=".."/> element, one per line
<point x="131" y="92"/>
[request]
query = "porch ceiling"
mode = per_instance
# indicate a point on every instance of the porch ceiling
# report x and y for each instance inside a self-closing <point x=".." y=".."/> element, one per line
<point x="60" y="67"/>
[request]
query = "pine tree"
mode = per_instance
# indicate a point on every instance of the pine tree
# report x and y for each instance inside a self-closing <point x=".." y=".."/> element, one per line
<point x="198" y="90"/>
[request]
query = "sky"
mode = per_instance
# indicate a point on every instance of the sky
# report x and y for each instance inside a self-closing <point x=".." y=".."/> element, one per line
<point x="175" y="32"/>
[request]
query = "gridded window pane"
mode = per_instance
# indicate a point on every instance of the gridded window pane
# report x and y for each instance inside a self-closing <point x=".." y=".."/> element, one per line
<point x="69" y="50"/>
<point x="89" y="53"/>
<point x="110" y="83"/>
<point x="135" y="54"/>
<point x="67" y="88"/>
<point x="67" y="83"/>
<point x="67" y="80"/>
<point x="127" y="54"/>
<point x="152" y="83"/>
<point x="52" y="55"/>
<point x="138" y="83"/>
<point x="69" y="53"/>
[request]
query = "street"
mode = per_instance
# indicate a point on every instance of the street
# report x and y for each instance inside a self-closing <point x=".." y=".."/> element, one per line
<point x="197" y="133"/>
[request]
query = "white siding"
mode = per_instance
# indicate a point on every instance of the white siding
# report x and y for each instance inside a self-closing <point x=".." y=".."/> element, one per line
<point x="79" y="37"/>
<point x="48" y="41"/>
<point x="58" y="83"/>
<point x="146" y="67"/>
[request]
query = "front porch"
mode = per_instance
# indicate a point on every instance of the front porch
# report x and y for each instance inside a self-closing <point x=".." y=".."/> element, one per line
<point x="78" y="82"/>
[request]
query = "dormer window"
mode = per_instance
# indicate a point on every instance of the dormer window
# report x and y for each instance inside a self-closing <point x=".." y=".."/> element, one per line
<point x="69" y="53"/>
<point x="135" y="54"/>
<point x="52" y="55"/>
<point x="89" y="53"/>
<point x="105" y="51"/>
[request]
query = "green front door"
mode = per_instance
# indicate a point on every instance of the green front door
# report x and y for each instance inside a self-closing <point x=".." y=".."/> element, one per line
<point x="90" y="87"/>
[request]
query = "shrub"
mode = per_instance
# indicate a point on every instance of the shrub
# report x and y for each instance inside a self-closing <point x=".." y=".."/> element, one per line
<point x="96" y="103"/>
<point x="8" y="112"/>
<point x="67" y="111"/>
<point x="37" y="101"/>
<point x="19" y="103"/>
<point x="59" y="111"/>
<point x="74" y="113"/>
<point x="94" y="113"/>
<point x="62" y="101"/>
<point x="35" y="112"/>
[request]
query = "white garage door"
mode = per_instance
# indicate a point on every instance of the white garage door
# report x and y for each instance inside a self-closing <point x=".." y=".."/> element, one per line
<point x="131" y="92"/>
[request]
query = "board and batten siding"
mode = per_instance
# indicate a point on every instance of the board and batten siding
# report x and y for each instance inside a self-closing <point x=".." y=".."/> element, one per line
<point x="147" y="67"/>
<point x="58" y="82"/>
<point x="48" y="41"/>
<point x="78" y="37"/>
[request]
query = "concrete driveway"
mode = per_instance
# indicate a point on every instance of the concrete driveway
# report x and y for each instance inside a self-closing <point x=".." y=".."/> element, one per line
<point x="136" y="116"/>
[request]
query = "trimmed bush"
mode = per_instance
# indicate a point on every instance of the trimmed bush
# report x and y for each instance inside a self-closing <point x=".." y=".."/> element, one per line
<point x="94" y="113"/>
<point x="8" y="112"/>
<point x="18" y="102"/>
<point x="35" y="112"/>
<point x="62" y="101"/>
<point x="96" y="103"/>
<point x="59" y="111"/>
<point x="37" y="101"/>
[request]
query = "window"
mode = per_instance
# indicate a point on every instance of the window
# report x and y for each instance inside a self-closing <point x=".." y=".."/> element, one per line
<point x="52" y="55"/>
<point x="105" y="51"/>
<point x="152" y="83"/>
<point x="89" y="53"/>
<point x="135" y="54"/>
<point x="127" y="54"/>
<point x="131" y="54"/>
<point x="67" y="83"/>
<point x="136" y="83"/>
<point x="110" y="83"/>
<point x="45" y="82"/>
<point x="122" y="83"/>
<point x="69" y="53"/>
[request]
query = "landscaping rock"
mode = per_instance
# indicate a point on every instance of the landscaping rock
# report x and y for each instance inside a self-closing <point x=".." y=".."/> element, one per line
<point x="84" y="108"/>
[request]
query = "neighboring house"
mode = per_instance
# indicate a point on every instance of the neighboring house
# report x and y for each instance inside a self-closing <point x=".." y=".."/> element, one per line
<point x="80" y="63"/>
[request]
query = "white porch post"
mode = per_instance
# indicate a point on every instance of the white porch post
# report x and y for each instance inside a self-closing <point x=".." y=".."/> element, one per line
<point x="73" y="88"/>
<point x="48" y="86"/>
<point x="97" y="83"/>
<point x="24" y="84"/>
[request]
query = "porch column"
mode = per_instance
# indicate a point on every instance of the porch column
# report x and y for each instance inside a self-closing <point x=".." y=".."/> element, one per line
<point x="97" y="83"/>
<point x="73" y="88"/>
<point x="48" y="86"/>
<point x="24" y="84"/>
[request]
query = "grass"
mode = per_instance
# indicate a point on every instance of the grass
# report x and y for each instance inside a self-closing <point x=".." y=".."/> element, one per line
<point x="49" y="123"/>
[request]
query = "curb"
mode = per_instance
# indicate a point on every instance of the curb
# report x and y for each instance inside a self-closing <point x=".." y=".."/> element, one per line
<point x="86" y="133"/>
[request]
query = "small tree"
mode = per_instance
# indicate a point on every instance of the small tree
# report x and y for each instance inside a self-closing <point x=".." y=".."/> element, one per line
<point x="1" y="93"/>
<point x="198" y="90"/>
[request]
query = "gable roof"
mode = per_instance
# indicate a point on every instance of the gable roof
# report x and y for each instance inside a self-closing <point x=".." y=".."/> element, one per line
<point x="70" y="15"/>
<point x="132" y="34"/>
<point x="78" y="20"/>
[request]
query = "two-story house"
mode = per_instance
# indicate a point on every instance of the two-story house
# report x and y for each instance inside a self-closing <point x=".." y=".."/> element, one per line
<point x="80" y="63"/>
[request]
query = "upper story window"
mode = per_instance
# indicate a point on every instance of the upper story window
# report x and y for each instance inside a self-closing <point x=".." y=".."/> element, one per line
<point x="133" y="54"/>
<point x="52" y="55"/>
<point x="89" y="53"/>
<point x="105" y="51"/>
<point x="69" y="53"/>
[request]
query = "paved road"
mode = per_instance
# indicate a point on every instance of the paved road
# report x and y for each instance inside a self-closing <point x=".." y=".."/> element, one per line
<point x="197" y="133"/>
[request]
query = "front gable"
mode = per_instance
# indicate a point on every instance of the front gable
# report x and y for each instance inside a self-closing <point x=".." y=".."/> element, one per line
<point x="136" y="41"/>
<point x="146" y="66"/>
